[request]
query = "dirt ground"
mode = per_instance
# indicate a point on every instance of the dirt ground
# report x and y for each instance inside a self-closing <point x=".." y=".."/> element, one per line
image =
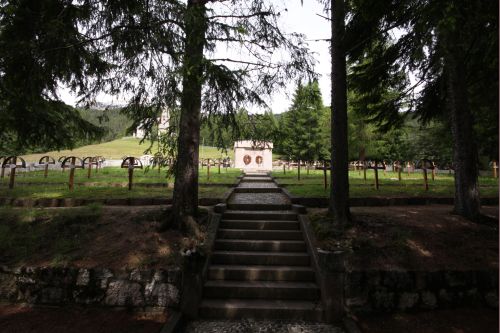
<point x="417" y="238"/>
<point x="437" y="321"/>
<point x="127" y="237"/>
<point x="22" y="319"/>
<point x="119" y="238"/>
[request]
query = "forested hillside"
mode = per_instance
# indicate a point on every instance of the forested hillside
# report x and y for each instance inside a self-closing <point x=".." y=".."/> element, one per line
<point x="112" y="120"/>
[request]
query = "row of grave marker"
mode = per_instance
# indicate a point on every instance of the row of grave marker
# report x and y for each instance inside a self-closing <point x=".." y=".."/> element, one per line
<point x="219" y="161"/>
<point x="131" y="163"/>
<point x="74" y="162"/>
<point x="425" y="165"/>
<point x="128" y="162"/>
<point x="71" y="162"/>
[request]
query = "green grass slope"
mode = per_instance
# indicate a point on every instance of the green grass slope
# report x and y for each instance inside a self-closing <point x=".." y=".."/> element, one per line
<point x="116" y="149"/>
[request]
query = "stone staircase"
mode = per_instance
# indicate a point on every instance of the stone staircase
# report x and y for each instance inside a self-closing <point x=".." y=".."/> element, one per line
<point x="260" y="267"/>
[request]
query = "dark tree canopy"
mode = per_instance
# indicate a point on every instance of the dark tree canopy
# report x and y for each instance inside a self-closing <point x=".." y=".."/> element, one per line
<point x="34" y="60"/>
<point x="451" y="48"/>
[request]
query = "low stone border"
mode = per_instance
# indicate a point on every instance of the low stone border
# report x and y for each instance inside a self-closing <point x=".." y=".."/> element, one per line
<point x="120" y="184"/>
<point x="390" y="291"/>
<point x="70" y="202"/>
<point x="319" y="202"/>
<point x="155" y="288"/>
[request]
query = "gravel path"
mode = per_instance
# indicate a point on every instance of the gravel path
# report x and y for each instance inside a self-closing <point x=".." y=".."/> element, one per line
<point x="258" y="326"/>
<point x="259" y="198"/>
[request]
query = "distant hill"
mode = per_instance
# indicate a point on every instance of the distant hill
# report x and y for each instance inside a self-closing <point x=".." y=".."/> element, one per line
<point x="111" y="119"/>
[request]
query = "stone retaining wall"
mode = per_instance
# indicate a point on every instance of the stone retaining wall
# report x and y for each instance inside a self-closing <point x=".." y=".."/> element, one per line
<point x="318" y="202"/>
<point x="70" y="202"/>
<point x="388" y="291"/>
<point x="56" y="285"/>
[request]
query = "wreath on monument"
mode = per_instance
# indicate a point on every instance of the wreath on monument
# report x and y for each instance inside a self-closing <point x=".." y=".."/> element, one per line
<point x="258" y="160"/>
<point x="247" y="159"/>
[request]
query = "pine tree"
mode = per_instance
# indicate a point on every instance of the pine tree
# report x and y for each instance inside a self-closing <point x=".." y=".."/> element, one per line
<point x="339" y="179"/>
<point x="452" y="48"/>
<point x="301" y="127"/>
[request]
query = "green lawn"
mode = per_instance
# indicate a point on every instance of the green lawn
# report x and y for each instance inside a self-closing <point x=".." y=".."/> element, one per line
<point x="110" y="183"/>
<point x="98" y="192"/>
<point x="115" y="175"/>
<point x="118" y="148"/>
<point x="411" y="185"/>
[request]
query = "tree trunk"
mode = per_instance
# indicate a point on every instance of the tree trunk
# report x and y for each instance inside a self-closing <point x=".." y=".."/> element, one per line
<point x="339" y="189"/>
<point x="185" y="196"/>
<point x="467" y="202"/>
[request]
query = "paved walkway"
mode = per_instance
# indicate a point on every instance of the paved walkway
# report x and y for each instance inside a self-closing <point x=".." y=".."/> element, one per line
<point x="260" y="268"/>
<point x="258" y="326"/>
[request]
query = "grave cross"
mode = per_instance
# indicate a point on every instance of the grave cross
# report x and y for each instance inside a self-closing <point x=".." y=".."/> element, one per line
<point x="13" y="162"/>
<point x="89" y="161"/>
<point x="131" y="163"/>
<point x="364" y="169"/>
<point x="408" y="167"/>
<point x="60" y="160"/>
<point x="375" y="168"/>
<point x="426" y="164"/>
<point x="45" y="161"/>
<point x="100" y="160"/>
<point x="434" y="168"/>
<point x="494" y="165"/>
<point x="397" y="167"/>
<point x="208" y="169"/>
<point x="325" y="178"/>
<point x="72" y="160"/>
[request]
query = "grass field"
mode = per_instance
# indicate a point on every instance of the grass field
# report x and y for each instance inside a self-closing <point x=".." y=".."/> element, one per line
<point x="115" y="175"/>
<point x="411" y="185"/>
<point x="102" y="192"/>
<point x="109" y="183"/>
<point x="118" y="148"/>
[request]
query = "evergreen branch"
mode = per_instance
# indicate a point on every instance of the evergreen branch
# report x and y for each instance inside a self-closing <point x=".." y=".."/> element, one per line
<point x="325" y="17"/>
<point x="261" y="14"/>
<point x="269" y="65"/>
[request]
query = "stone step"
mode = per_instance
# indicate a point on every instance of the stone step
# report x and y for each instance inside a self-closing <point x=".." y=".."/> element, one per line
<point x="261" y="290"/>
<point x="259" y="225"/>
<point x="283" y="215"/>
<point x="257" y="179"/>
<point x="256" y="174"/>
<point x="260" y="273"/>
<point x="258" y="207"/>
<point x="261" y="258"/>
<point x="276" y="309"/>
<point x="257" y="190"/>
<point x="260" y="245"/>
<point x="260" y="234"/>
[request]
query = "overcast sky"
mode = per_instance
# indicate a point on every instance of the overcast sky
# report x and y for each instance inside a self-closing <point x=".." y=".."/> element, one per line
<point x="299" y="18"/>
<point x="304" y="19"/>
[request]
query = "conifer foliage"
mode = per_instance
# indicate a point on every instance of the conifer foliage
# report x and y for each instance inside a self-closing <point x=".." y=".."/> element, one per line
<point x="302" y="134"/>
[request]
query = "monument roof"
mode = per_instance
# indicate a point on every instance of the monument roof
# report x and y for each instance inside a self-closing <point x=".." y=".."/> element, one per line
<point x="253" y="144"/>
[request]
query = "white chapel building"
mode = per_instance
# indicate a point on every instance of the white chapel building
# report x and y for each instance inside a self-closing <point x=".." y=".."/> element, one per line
<point x="253" y="155"/>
